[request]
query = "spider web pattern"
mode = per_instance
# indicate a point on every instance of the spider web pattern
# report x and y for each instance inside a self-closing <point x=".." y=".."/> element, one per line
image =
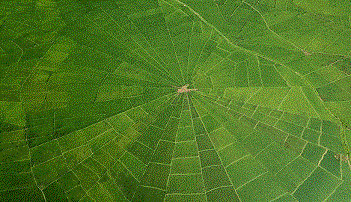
<point x="90" y="109"/>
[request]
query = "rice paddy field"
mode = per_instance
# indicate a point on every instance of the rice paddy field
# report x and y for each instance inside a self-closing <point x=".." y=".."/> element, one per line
<point x="175" y="101"/>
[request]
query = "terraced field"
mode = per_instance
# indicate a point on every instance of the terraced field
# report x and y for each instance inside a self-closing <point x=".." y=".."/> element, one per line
<point x="169" y="101"/>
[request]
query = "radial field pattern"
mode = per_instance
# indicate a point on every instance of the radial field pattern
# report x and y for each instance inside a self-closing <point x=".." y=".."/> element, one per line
<point x="169" y="101"/>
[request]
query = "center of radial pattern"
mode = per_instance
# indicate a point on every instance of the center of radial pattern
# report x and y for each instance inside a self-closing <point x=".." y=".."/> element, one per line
<point x="184" y="89"/>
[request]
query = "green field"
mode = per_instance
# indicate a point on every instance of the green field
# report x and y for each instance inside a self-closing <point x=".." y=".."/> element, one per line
<point x="170" y="101"/>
